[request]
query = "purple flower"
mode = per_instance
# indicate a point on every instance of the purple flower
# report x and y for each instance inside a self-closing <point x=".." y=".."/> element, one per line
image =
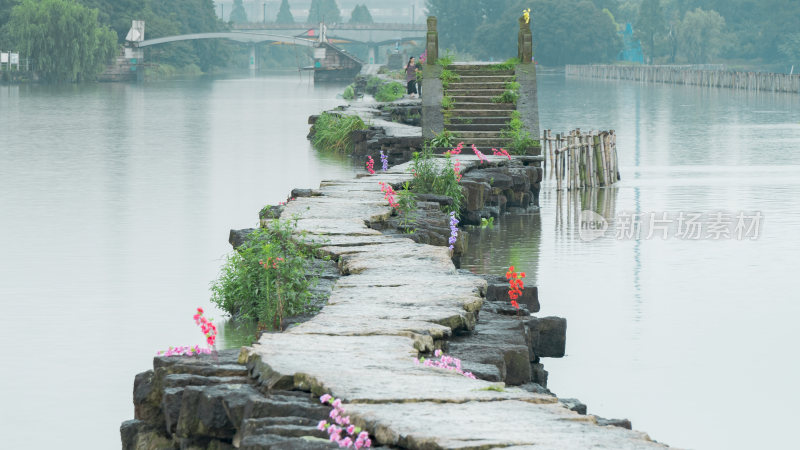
<point x="453" y="231"/>
<point x="384" y="161"/>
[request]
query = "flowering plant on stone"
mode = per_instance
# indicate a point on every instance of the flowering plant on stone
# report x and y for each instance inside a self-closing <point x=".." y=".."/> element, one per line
<point x="478" y="153"/>
<point x="501" y="152"/>
<point x="444" y="362"/>
<point x="384" y="161"/>
<point x="341" y="430"/>
<point x="370" y="165"/>
<point x="453" y="229"/>
<point x="515" y="286"/>
<point x="210" y="332"/>
<point x="388" y="194"/>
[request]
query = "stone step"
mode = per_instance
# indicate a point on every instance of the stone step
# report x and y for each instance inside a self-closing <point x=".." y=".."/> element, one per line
<point x="475" y="127"/>
<point x="483" y="72"/>
<point x="469" y="135"/>
<point x="469" y="66"/>
<point x="473" y="98"/>
<point x="463" y="92"/>
<point x="462" y="112"/>
<point x="479" y="120"/>
<point x="485" y="79"/>
<point x="463" y="85"/>
<point x="485" y="106"/>
<point x="482" y="142"/>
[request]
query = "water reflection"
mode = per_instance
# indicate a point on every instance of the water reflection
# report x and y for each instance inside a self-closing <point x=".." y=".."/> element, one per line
<point x="513" y="240"/>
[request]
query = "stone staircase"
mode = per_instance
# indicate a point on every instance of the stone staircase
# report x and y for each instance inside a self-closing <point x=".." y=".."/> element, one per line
<point x="475" y="118"/>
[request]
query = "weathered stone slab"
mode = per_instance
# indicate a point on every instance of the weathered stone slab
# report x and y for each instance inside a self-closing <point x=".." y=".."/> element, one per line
<point x="352" y="227"/>
<point x="336" y="208"/>
<point x="371" y="369"/>
<point x="478" y="425"/>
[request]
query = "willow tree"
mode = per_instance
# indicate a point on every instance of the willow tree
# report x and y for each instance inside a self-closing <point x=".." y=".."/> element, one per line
<point x="62" y="38"/>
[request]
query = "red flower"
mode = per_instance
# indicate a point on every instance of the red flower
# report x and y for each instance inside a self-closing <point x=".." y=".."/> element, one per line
<point x="515" y="304"/>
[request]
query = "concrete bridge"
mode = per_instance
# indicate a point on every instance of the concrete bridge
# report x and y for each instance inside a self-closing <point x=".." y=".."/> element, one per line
<point x="247" y="37"/>
<point x="375" y="35"/>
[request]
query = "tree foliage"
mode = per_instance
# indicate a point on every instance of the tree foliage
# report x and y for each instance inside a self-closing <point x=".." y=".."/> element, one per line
<point x="650" y="24"/>
<point x="238" y="14"/>
<point x="284" y="13"/>
<point x="701" y="35"/>
<point x="564" y="31"/>
<point x="361" y="14"/>
<point x="168" y="18"/>
<point x="62" y="38"/>
<point x="324" y="10"/>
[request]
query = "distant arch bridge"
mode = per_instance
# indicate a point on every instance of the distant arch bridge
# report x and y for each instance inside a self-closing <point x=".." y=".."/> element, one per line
<point x="245" y="37"/>
<point x="238" y="36"/>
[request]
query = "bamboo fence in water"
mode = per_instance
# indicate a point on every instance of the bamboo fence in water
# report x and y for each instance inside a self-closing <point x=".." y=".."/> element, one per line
<point x="581" y="160"/>
<point x="753" y="81"/>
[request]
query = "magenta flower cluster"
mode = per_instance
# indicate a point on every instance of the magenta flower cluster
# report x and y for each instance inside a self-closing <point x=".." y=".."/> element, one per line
<point x="445" y="362"/>
<point x="384" y="161"/>
<point x="501" y="152"/>
<point x="479" y="154"/>
<point x="341" y="430"/>
<point x="370" y="165"/>
<point x="453" y="229"/>
<point x="388" y="194"/>
<point x="208" y="329"/>
<point x="185" y="351"/>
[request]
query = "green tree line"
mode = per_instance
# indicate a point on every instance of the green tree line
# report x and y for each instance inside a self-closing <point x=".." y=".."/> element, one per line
<point x="750" y="32"/>
<point x="70" y="40"/>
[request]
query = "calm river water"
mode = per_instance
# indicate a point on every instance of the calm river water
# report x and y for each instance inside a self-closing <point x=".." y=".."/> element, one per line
<point x="693" y="340"/>
<point x="116" y="201"/>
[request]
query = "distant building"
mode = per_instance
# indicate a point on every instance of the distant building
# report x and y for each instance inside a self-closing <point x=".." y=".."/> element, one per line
<point x="632" y="51"/>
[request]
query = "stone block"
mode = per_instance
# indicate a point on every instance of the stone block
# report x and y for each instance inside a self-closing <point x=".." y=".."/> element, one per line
<point x="548" y="336"/>
<point x="476" y="194"/>
<point x="538" y="374"/>
<point x="573" y="404"/>
<point x="622" y="423"/>
<point x="497" y="291"/>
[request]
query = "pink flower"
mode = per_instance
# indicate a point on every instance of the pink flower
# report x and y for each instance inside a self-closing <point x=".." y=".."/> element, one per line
<point x="337" y="403"/>
<point x="324" y="399"/>
<point x="322" y="424"/>
<point x="351" y="429"/>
